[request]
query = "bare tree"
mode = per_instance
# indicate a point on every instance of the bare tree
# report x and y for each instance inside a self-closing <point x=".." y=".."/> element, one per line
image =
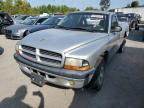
<point x="104" y="4"/>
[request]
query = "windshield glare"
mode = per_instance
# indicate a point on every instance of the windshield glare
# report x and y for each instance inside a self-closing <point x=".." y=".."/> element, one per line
<point x="29" y="21"/>
<point x="85" y="21"/>
<point x="51" y="21"/>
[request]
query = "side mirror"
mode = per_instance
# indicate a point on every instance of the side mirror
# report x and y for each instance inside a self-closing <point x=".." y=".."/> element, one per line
<point x="116" y="29"/>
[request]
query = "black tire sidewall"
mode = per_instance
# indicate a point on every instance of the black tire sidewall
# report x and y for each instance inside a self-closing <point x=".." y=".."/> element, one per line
<point x="94" y="83"/>
<point x="121" y="49"/>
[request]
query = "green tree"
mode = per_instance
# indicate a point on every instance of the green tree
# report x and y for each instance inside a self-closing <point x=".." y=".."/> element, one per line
<point x="1" y="5"/>
<point x="7" y="6"/>
<point x="104" y="4"/>
<point x="135" y="4"/>
<point x="24" y="7"/>
<point x="89" y="8"/>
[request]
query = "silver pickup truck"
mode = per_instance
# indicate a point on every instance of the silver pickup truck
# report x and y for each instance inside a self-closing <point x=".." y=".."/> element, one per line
<point x="73" y="54"/>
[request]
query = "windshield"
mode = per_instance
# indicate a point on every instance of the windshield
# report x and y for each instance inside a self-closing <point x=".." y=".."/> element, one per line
<point x="29" y="21"/>
<point x="122" y="18"/>
<point x="92" y="22"/>
<point x="52" y="21"/>
<point x="21" y="17"/>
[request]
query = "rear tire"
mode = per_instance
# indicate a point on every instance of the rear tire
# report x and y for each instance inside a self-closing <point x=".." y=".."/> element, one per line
<point x="137" y="28"/>
<point x="122" y="46"/>
<point x="126" y="34"/>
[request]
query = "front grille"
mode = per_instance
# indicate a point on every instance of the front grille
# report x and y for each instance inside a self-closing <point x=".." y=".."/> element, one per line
<point x="8" y="33"/>
<point x="50" y="53"/>
<point x="50" y="60"/>
<point x="42" y="56"/>
<point x="28" y="48"/>
<point x="29" y="55"/>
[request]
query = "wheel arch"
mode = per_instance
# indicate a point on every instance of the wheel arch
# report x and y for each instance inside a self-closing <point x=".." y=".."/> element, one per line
<point x="24" y="34"/>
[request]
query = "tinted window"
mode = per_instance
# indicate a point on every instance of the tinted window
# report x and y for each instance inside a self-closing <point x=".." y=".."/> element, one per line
<point x="39" y="21"/>
<point x="21" y="17"/>
<point x="52" y="21"/>
<point x="29" y="21"/>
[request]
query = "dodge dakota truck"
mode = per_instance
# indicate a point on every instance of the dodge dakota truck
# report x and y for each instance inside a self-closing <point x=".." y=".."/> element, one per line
<point x="75" y="53"/>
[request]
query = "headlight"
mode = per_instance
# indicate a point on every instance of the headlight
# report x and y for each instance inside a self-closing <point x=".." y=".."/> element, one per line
<point x="20" y="31"/>
<point x="76" y="64"/>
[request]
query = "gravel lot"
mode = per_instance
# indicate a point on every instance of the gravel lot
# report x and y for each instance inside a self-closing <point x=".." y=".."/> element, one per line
<point x="123" y="86"/>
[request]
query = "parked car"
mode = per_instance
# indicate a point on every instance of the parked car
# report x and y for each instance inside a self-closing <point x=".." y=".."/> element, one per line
<point x="5" y="20"/>
<point x="139" y="18"/>
<point x="73" y="54"/>
<point x="20" y="18"/>
<point x="47" y="24"/>
<point x="124" y="23"/>
<point x="19" y="31"/>
<point x="133" y="20"/>
<point x="1" y="50"/>
<point x="14" y="16"/>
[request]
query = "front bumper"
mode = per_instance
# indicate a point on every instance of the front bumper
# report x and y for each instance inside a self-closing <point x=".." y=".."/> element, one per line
<point x="10" y="35"/>
<point x="57" y="76"/>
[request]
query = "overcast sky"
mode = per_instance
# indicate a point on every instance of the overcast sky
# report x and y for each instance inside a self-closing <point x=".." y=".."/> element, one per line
<point x="81" y="4"/>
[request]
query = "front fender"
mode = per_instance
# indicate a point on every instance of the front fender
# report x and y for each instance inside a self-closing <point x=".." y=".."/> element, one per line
<point x="90" y="52"/>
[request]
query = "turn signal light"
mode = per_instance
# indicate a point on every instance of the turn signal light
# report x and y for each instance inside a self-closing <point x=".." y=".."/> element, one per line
<point x="17" y="52"/>
<point x="77" y="68"/>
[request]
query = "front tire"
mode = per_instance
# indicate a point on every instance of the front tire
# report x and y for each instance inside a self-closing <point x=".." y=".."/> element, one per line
<point x="98" y="77"/>
<point x="26" y="33"/>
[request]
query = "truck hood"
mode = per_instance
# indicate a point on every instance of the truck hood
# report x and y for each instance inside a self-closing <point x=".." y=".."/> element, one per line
<point x="59" y="40"/>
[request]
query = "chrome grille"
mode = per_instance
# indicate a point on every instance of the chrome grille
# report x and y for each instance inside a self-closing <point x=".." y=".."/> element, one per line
<point x="50" y="60"/>
<point x="28" y="54"/>
<point x="28" y="48"/>
<point x="41" y="56"/>
<point x="50" y="53"/>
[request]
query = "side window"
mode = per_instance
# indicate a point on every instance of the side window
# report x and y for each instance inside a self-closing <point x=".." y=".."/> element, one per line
<point x="41" y="20"/>
<point x="114" y="22"/>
